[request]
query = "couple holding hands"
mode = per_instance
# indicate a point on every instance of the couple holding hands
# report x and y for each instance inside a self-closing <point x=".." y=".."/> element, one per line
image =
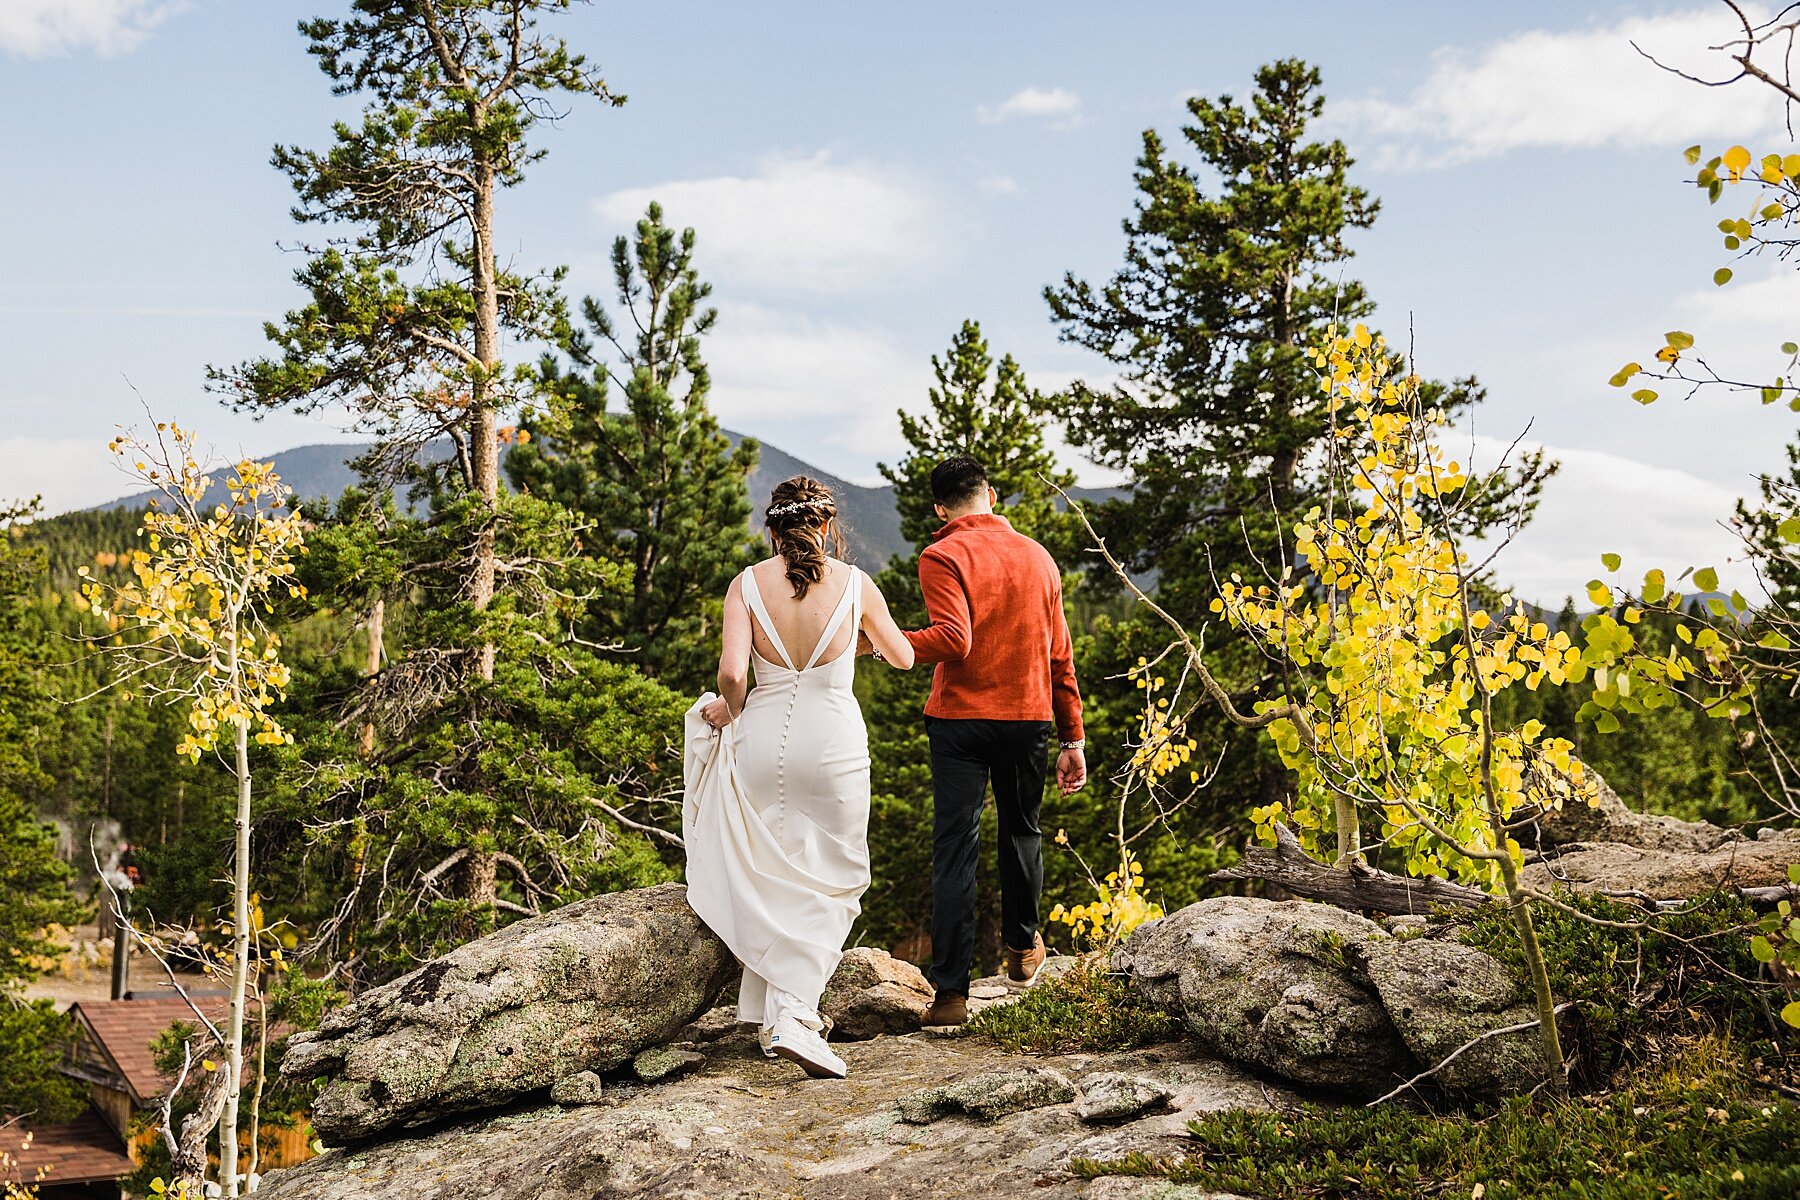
<point x="776" y="810"/>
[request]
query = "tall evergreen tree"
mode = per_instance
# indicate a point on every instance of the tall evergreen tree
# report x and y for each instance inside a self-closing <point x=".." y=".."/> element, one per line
<point x="34" y="882"/>
<point x="660" y="489"/>
<point x="986" y="410"/>
<point x="1233" y="270"/>
<point x="408" y="309"/>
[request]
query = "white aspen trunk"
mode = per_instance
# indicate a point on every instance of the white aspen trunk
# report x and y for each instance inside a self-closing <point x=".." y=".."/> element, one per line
<point x="240" y="965"/>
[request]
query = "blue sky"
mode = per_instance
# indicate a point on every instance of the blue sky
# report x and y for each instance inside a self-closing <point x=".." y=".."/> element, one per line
<point x="863" y="178"/>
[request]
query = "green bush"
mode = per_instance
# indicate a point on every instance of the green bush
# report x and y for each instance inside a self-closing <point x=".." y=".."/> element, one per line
<point x="1693" y="1130"/>
<point x="1691" y="975"/>
<point x="1083" y="1009"/>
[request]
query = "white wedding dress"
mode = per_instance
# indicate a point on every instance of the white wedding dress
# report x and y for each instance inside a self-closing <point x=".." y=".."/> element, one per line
<point x="776" y="818"/>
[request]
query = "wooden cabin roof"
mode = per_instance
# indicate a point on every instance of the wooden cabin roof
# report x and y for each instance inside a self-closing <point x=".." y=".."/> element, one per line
<point x="113" y="1048"/>
<point x="83" y="1151"/>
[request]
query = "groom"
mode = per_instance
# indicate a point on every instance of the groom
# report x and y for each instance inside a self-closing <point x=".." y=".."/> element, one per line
<point x="1005" y="678"/>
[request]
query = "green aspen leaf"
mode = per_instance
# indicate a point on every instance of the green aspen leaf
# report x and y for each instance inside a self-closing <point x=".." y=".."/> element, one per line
<point x="1794" y="873"/>
<point x="1655" y="584"/>
<point x="1692" y="154"/>
<point x="1738" y="602"/>
<point x="1611" y="562"/>
<point x="1644" y="396"/>
<point x="1790" y="347"/>
<point x="1791" y="1013"/>
<point x="1775" y="640"/>
<point x="1607" y="723"/>
<point x="1722" y="276"/>
<point x="1761" y="949"/>
<point x="1771" y="394"/>
<point x="1789" y="529"/>
<point x="1731" y="243"/>
<point x="1706" y="579"/>
<point x="1714" y="190"/>
<point x="1678" y="339"/>
<point x="1728" y="225"/>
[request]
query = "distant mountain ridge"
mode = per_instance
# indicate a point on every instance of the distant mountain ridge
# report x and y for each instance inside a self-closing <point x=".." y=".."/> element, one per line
<point x="871" y="521"/>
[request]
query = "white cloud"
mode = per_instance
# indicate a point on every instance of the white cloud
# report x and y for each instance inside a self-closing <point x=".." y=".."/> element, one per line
<point x="768" y="363"/>
<point x="804" y="224"/>
<point x="1058" y="105"/>
<point x="47" y="28"/>
<point x="1573" y="90"/>
<point x="68" y="472"/>
<point x="1602" y="503"/>
<point x="997" y="185"/>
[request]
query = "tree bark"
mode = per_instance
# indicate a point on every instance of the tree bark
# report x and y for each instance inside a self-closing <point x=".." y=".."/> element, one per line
<point x="377" y="620"/>
<point x="187" y="1151"/>
<point x="479" y="873"/>
<point x="240" y="967"/>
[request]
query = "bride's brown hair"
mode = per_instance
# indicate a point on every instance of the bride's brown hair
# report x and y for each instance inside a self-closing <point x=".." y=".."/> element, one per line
<point x="799" y="509"/>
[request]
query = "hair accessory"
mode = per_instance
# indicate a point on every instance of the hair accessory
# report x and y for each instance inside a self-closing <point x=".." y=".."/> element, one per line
<point x="798" y="506"/>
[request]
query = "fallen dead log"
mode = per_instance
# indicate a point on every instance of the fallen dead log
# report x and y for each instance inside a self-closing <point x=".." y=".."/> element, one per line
<point x="1356" y="886"/>
<point x="1360" y="887"/>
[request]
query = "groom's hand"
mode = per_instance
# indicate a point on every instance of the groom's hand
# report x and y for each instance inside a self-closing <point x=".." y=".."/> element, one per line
<point x="863" y="644"/>
<point x="1071" y="771"/>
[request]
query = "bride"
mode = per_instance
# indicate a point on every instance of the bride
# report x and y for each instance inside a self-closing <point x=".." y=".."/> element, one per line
<point x="776" y="814"/>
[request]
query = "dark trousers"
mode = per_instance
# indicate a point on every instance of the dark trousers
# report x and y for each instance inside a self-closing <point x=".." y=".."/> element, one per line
<point x="965" y="754"/>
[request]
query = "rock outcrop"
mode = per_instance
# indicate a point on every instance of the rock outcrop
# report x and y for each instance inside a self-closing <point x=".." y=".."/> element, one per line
<point x="746" y="1128"/>
<point x="581" y="988"/>
<point x="1606" y="846"/>
<point x="1325" y="998"/>
<point x="574" y="1055"/>
<point x="1267" y="984"/>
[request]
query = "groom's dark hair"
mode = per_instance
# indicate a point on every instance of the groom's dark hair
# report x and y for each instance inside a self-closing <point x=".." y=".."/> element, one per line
<point x="957" y="480"/>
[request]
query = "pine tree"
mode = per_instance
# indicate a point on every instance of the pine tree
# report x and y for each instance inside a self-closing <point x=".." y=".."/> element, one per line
<point x="660" y="489"/>
<point x="1233" y="271"/>
<point x="408" y="309"/>
<point x="1224" y="289"/>
<point x="34" y="882"/>
<point x="986" y="410"/>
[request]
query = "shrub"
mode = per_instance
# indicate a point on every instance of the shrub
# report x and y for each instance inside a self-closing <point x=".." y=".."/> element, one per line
<point x="1085" y="1008"/>
<point x="1690" y="974"/>
<point x="1693" y="1129"/>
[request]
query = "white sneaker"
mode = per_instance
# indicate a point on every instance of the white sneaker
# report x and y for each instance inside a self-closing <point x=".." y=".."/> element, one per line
<point x="762" y="1035"/>
<point x="795" y="1042"/>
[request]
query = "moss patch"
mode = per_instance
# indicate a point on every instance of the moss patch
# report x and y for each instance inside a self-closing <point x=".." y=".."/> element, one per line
<point x="1083" y="1009"/>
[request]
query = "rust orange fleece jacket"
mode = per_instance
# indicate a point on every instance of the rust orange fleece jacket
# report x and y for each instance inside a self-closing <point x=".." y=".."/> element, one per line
<point x="997" y="632"/>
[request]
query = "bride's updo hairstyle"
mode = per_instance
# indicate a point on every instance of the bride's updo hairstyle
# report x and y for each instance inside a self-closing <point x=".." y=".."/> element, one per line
<point x="799" y="509"/>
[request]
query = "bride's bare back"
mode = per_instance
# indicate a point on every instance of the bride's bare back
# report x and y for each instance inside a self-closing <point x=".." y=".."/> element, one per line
<point x="801" y="622"/>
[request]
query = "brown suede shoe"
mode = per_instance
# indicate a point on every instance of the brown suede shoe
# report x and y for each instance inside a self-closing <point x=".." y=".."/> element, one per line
<point x="1022" y="965"/>
<point x="950" y="1008"/>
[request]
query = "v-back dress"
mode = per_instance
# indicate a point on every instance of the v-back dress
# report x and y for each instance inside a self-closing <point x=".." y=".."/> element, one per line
<point x="776" y="818"/>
